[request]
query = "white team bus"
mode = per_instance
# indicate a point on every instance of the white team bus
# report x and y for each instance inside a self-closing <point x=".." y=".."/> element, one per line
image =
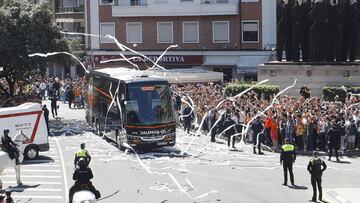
<point x="29" y="119"/>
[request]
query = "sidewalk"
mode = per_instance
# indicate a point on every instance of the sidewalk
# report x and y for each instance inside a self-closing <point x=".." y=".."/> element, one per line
<point x="344" y="195"/>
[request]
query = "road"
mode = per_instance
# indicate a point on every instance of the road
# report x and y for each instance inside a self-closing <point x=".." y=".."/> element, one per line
<point x="192" y="171"/>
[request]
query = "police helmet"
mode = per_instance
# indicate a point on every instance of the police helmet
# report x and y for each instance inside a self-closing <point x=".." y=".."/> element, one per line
<point x="81" y="163"/>
<point x="6" y="130"/>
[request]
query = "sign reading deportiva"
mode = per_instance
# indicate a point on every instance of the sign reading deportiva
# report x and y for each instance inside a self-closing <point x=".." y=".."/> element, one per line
<point x="169" y="59"/>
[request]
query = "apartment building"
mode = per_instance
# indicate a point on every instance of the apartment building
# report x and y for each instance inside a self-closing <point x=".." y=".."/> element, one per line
<point x="230" y="36"/>
<point x="70" y="16"/>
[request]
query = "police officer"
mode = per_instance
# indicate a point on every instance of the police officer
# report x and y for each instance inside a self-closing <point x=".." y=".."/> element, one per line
<point x="316" y="167"/>
<point x="82" y="177"/>
<point x="258" y="133"/>
<point x="287" y="158"/>
<point x="82" y="153"/>
<point x="9" y="146"/>
<point x="230" y="131"/>
<point x="334" y="140"/>
<point x="188" y="117"/>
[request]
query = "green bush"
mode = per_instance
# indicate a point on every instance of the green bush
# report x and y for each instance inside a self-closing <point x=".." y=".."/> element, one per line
<point x="233" y="89"/>
<point x="329" y="92"/>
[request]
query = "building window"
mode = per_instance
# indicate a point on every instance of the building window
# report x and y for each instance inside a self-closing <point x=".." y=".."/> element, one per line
<point x="106" y="2"/>
<point x="134" y="32"/>
<point x="250" y="31"/>
<point x="191" y="32"/>
<point x="165" y="32"/>
<point x="107" y="29"/>
<point x="221" y="32"/>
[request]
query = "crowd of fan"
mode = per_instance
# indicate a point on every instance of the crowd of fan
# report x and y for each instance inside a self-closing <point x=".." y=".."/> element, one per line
<point x="305" y="122"/>
<point x="39" y="88"/>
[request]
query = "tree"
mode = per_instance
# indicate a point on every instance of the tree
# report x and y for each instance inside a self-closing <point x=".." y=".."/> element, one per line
<point x="26" y="28"/>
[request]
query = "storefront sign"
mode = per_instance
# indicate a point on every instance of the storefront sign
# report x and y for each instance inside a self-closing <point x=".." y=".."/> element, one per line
<point x="169" y="59"/>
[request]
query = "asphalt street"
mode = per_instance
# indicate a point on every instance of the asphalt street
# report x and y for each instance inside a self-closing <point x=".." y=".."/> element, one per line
<point x="192" y="171"/>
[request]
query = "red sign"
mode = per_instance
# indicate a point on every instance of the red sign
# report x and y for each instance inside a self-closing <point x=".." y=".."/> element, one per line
<point x="167" y="59"/>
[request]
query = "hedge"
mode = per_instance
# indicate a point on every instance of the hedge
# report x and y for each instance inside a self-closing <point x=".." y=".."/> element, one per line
<point x="233" y="89"/>
<point x="329" y="92"/>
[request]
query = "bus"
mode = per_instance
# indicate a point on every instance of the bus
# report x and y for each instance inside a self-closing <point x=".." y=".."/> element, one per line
<point x="127" y="107"/>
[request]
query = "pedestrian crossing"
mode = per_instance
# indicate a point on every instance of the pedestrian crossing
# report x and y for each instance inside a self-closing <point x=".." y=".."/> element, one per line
<point x="42" y="179"/>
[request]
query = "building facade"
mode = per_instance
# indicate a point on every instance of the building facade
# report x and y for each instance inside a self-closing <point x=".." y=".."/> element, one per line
<point x="70" y="16"/>
<point x="229" y="36"/>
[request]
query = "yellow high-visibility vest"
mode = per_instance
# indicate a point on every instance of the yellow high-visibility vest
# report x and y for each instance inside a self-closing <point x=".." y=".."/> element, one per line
<point x="288" y="147"/>
<point x="81" y="153"/>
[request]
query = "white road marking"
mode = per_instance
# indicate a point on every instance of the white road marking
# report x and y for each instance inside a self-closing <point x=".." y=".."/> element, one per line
<point x="64" y="171"/>
<point x="35" y="170"/>
<point x="39" y="161"/>
<point x="35" y="197"/>
<point x="35" y="189"/>
<point x="50" y="152"/>
<point x="39" y="165"/>
<point x="31" y="176"/>
<point x="34" y="182"/>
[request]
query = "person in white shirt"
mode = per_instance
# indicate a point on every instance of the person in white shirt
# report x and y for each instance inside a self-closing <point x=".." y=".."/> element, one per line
<point x="42" y="90"/>
<point x="322" y="133"/>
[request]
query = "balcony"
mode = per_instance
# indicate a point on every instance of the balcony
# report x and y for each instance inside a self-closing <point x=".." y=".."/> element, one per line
<point x="132" y="2"/>
<point x="70" y="10"/>
<point x="76" y="44"/>
<point x="132" y="8"/>
<point x="69" y="14"/>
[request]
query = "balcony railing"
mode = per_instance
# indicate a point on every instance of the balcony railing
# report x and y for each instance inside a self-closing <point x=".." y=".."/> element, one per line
<point x="70" y="10"/>
<point x="215" y="1"/>
<point x="131" y="3"/>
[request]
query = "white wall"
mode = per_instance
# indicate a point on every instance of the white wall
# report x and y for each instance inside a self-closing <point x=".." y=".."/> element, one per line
<point x="175" y="8"/>
<point x="268" y="22"/>
<point x="94" y="20"/>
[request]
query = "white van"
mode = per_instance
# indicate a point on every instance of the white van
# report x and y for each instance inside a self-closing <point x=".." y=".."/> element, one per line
<point x="29" y="119"/>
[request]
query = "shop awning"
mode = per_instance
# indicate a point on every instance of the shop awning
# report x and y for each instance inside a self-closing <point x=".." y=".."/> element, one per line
<point x="221" y="60"/>
<point x="249" y="64"/>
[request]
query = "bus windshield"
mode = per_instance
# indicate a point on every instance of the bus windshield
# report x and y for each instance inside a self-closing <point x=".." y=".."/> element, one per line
<point x="148" y="104"/>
